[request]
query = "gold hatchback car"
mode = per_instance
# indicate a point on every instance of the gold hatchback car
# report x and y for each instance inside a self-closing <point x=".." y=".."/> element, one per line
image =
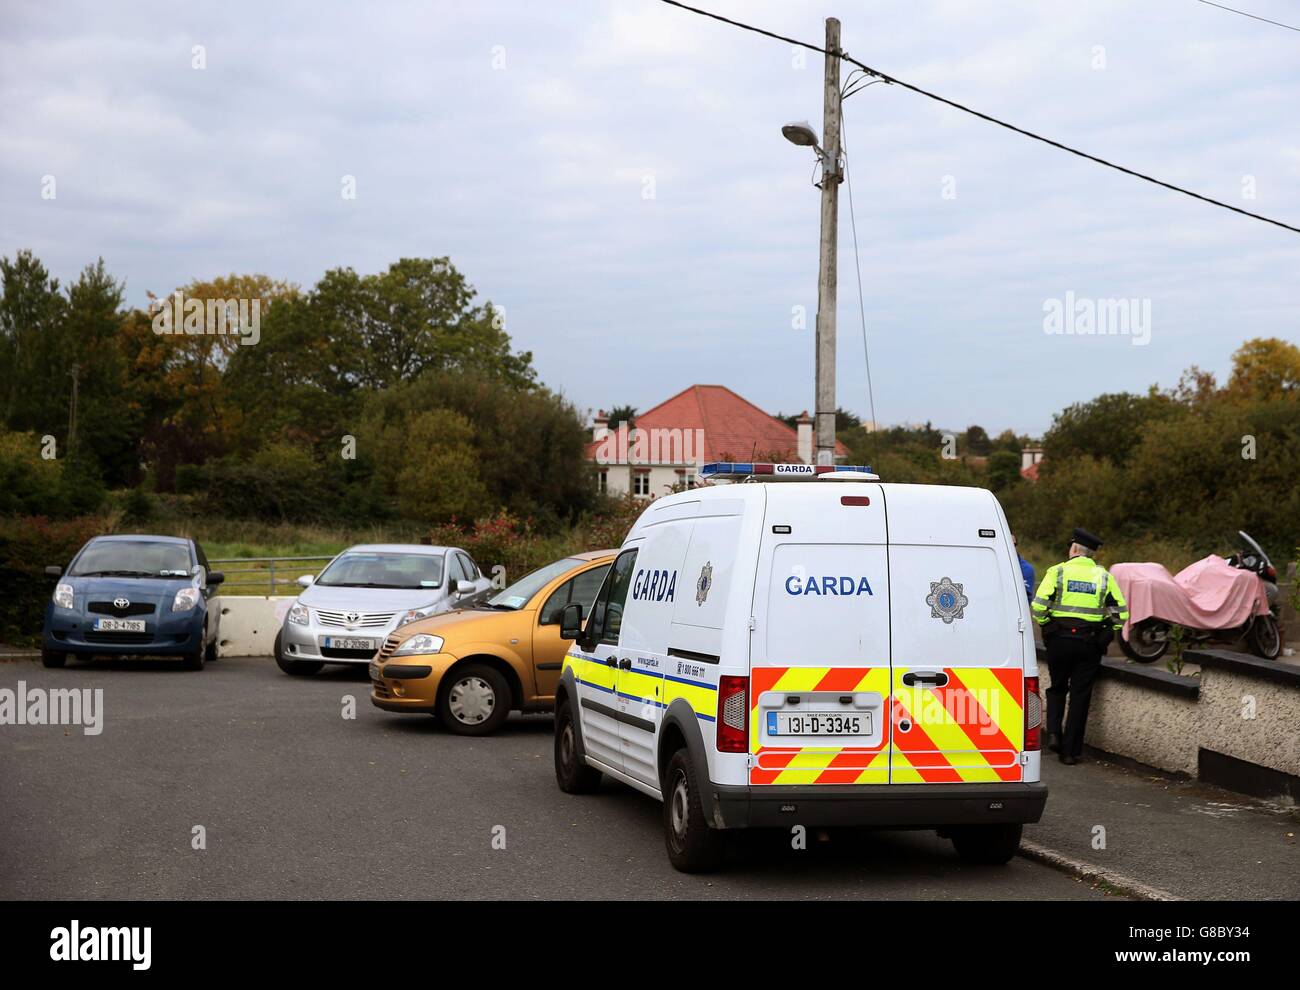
<point x="472" y="667"/>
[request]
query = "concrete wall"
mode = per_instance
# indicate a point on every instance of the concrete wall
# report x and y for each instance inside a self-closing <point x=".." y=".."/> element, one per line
<point x="1243" y="708"/>
<point x="249" y="624"/>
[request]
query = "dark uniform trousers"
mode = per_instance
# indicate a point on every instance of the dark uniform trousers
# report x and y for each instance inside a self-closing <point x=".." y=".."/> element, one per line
<point x="1074" y="664"/>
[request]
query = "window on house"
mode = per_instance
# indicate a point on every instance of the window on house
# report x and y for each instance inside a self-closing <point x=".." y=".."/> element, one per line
<point x="641" y="483"/>
<point x="602" y="482"/>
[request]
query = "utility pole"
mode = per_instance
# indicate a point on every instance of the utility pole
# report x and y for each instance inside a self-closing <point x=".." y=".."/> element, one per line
<point x="72" y="408"/>
<point x="827" y="283"/>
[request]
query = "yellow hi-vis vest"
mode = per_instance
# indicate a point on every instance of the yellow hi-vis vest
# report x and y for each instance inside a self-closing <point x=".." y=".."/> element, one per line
<point x="1077" y="591"/>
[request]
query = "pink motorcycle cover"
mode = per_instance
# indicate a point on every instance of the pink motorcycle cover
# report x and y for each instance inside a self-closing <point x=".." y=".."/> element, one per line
<point x="1209" y="594"/>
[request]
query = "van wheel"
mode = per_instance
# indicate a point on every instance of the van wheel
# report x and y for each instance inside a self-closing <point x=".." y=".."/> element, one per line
<point x="53" y="658"/>
<point x="210" y="654"/>
<point x="298" y="668"/>
<point x="474" y="700"/>
<point x="693" y="845"/>
<point x="991" y="845"/>
<point x="571" y="773"/>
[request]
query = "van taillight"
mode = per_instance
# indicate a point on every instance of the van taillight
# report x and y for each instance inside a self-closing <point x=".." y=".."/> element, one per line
<point x="733" y="714"/>
<point x="1033" y="715"/>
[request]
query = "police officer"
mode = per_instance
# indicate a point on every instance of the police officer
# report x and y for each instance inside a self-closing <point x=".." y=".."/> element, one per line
<point x="1079" y="606"/>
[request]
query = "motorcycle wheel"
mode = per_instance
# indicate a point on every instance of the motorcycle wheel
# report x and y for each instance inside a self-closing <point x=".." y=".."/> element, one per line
<point x="1264" y="637"/>
<point x="1142" y="645"/>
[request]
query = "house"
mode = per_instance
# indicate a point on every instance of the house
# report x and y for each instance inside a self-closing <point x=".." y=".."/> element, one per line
<point x="1030" y="458"/>
<point x="699" y="425"/>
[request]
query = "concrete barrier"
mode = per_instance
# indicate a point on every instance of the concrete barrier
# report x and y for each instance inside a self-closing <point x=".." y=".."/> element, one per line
<point x="249" y="624"/>
<point x="1229" y="719"/>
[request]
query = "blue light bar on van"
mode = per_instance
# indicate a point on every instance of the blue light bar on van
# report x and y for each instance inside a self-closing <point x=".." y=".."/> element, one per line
<point x="727" y="469"/>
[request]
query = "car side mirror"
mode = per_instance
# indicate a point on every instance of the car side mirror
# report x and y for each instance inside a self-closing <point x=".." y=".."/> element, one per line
<point x="571" y="621"/>
<point x="215" y="578"/>
<point x="54" y="571"/>
<point x="306" y="580"/>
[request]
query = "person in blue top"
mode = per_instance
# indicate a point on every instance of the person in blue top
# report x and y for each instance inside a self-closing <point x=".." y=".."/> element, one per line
<point x="1026" y="571"/>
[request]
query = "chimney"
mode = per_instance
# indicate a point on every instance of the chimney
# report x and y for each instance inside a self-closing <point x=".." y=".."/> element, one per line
<point x="804" y="430"/>
<point x="600" y="427"/>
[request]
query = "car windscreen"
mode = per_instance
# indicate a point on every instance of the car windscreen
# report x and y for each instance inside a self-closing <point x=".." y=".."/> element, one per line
<point x="383" y="570"/>
<point x="517" y="595"/>
<point x="133" y="558"/>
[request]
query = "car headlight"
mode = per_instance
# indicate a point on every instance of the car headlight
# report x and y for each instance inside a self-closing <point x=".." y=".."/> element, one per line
<point x="418" y="645"/>
<point x="299" y="615"/>
<point x="185" y="599"/>
<point x="63" y="596"/>
<point x="416" y="614"/>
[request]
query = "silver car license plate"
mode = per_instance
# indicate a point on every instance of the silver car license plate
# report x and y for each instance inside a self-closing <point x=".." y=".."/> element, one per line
<point x="119" y="625"/>
<point x="348" y="643"/>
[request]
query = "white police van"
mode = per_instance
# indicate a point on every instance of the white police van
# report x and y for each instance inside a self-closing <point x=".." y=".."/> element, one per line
<point x="831" y="651"/>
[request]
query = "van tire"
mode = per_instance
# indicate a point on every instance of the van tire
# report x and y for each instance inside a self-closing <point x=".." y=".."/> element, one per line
<point x="693" y="845"/>
<point x="482" y="685"/>
<point x="298" y="668"/>
<point x="988" y="845"/>
<point x="571" y="773"/>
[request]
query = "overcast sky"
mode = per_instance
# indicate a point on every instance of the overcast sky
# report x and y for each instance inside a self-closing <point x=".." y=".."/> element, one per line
<point x="612" y="173"/>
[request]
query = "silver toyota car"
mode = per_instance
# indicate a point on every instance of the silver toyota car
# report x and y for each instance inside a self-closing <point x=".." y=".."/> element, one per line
<point x="365" y="593"/>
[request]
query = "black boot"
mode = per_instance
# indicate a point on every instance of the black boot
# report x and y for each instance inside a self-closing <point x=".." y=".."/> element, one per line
<point x="1069" y="760"/>
<point x="1054" y="741"/>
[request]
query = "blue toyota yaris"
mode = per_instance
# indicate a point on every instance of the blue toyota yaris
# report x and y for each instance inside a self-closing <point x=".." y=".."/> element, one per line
<point x="137" y="595"/>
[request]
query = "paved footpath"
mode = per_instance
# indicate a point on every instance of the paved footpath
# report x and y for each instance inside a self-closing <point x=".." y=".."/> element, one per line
<point x="1178" y="837"/>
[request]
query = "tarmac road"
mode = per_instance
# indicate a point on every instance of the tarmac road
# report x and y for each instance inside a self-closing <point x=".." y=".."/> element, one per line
<point x="298" y="802"/>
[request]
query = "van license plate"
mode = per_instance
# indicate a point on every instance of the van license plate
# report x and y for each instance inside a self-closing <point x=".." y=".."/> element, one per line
<point x="119" y="625"/>
<point x="819" y="723"/>
<point x="347" y="643"/>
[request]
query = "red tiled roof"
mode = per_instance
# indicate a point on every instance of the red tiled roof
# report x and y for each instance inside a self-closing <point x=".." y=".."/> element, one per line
<point x="1031" y="472"/>
<point x="734" y="428"/>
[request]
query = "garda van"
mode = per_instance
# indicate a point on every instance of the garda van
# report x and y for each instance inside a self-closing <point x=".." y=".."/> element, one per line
<point x="828" y="651"/>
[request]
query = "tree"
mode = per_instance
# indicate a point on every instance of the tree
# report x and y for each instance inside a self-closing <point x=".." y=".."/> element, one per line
<point x="1108" y="427"/>
<point x="977" y="441"/>
<point x="1003" y="469"/>
<point x="622" y="414"/>
<point x="33" y="352"/>
<point x="1265" y="368"/>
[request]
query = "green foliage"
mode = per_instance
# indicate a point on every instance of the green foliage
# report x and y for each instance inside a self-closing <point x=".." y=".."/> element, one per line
<point x="28" y="544"/>
<point x="1003" y="470"/>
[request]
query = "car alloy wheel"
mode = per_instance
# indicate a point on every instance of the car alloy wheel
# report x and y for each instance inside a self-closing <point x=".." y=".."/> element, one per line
<point x="471" y="700"/>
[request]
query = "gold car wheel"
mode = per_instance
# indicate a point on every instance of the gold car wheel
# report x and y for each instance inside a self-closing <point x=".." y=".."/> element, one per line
<point x="471" y="700"/>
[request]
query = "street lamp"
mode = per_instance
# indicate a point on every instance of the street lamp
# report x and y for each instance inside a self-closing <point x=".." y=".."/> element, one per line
<point x="800" y="132"/>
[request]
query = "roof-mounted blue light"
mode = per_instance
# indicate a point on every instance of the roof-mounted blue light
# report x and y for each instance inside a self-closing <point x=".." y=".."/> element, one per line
<point x="727" y="470"/>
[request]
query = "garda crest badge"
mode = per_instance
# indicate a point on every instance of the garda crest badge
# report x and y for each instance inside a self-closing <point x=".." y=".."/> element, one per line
<point x="946" y="601"/>
<point x="704" y="583"/>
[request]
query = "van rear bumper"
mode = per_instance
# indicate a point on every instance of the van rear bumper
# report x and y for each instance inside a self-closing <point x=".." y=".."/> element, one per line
<point x="883" y="805"/>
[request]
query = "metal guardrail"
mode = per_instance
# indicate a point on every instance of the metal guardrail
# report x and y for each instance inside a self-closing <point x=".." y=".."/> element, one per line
<point x="263" y="579"/>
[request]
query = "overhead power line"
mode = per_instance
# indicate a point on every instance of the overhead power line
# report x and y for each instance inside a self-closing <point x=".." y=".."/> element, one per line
<point x="894" y="81"/>
<point x="1243" y="13"/>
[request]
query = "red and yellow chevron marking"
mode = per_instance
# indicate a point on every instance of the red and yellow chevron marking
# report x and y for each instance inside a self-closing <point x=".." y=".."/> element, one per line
<point x="817" y="764"/>
<point x="969" y="730"/>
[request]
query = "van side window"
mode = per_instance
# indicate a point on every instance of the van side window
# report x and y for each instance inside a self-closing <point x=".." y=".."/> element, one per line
<point x="607" y="615"/>
<point x="468" y="567"/>
<point x="581" y="589"/>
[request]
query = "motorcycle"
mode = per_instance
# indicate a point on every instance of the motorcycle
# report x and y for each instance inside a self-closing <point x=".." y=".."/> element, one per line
<point x="1215" y="600"/>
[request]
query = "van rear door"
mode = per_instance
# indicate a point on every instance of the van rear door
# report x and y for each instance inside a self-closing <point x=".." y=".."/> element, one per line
<point x="958" y="646"/>
<point x="819" y="648"/>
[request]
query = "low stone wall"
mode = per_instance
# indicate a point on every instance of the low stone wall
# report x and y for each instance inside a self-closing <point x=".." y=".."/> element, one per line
<point x="1224" y="710"/>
